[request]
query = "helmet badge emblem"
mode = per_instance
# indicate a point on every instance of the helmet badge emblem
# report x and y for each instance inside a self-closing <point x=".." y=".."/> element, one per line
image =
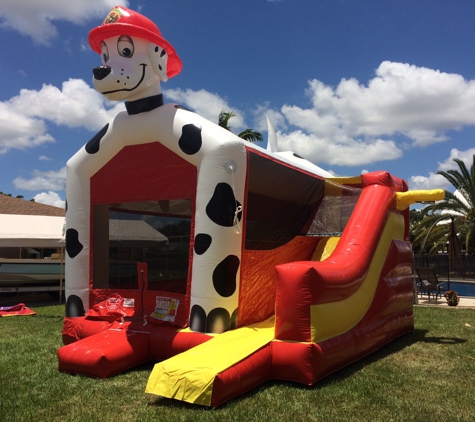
<point x="113" y="16"/>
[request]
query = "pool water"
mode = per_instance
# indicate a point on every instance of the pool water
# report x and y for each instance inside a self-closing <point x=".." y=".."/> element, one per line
<point x="462" y="288"/>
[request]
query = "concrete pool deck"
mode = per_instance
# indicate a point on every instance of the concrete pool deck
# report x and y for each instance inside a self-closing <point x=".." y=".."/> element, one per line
<point x="465" y="302"/>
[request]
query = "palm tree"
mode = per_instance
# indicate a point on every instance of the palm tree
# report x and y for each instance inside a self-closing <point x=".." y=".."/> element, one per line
<point x="433" y="229"/>
<point x="249" y="134"/>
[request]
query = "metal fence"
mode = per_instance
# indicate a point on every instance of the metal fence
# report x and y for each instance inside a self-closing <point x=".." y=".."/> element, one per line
<point x="462" y="269"/>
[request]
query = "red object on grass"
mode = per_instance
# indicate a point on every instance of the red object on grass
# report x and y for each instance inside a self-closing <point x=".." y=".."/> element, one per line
<point x="16" y="310"/>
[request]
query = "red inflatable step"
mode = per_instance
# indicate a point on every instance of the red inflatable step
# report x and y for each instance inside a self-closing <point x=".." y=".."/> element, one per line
<point x="105" y="353"/>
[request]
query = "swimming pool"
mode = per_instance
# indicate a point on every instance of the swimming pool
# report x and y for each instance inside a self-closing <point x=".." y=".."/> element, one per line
<point x="462" y="288"/>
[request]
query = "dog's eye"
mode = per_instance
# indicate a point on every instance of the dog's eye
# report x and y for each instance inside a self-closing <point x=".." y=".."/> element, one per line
<point x="125" y="46"/>
<point x="104" y="52"/>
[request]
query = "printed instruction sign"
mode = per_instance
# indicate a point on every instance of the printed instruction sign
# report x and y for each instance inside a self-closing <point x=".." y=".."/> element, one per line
<point x="165" y="308"/>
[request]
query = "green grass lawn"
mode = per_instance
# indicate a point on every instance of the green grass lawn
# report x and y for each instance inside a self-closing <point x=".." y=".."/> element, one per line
<point x="428" y="375"/>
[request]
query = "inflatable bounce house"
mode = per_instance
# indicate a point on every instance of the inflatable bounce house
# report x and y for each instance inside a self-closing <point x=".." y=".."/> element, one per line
<point x="226" y="263"/>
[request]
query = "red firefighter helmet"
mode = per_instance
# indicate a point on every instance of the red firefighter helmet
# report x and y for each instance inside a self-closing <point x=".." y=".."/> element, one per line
<point x="123" y="21"/>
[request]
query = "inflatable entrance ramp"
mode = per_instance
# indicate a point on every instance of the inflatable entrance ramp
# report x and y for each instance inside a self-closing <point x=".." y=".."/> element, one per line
<point x="203" y="375"/>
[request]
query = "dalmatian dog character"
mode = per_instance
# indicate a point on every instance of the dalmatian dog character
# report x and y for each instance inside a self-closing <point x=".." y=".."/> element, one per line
<point x="135" y="59"/>
<point x="135" y="56"/>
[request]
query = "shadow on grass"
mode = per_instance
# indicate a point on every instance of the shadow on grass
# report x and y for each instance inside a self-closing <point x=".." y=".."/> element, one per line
<point x="395" y="346"/>
<point x="442" y="340"/>
<point x="143" y="367"/>
<point x="57" y="317"/>
<point x="176" y="404"/>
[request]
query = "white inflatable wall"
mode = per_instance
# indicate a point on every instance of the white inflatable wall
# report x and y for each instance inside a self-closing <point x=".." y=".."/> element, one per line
<point x="220" y="158"/>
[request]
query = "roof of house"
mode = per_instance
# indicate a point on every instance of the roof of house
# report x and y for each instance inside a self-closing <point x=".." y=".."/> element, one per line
<point x="10" y="205"/>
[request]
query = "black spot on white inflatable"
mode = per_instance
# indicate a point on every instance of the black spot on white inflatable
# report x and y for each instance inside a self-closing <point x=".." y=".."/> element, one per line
<point x="198" y="319"/>
<point x="224" y="276"/>
<point x="74" y="307"/>
<point x="190" y="140"/>
<point x="202" y="243"/>
<point x="94" y="143"/>
<point x="218" y="321"/>
<point x="73" y="245"/>
<point x="222" y="206"/>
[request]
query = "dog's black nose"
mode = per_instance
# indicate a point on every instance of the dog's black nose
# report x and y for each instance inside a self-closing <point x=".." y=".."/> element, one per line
<point x="100" y="72"/>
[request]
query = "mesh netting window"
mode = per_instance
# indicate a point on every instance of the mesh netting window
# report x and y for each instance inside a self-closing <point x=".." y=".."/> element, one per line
<point x="280" y="203"/>
<point x="283" y="203"/>
<point x="155" y="232"/>
<point x="335" y="210"/>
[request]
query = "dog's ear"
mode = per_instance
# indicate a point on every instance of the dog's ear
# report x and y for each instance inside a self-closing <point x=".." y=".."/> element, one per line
<point x="159" y="59"/>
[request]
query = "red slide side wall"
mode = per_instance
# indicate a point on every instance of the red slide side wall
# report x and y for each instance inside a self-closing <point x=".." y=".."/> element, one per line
<point x="389" y="316"/>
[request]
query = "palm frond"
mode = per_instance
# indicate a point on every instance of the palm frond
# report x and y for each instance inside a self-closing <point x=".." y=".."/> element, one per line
<point x="223" y="119"/>
<point x="251" y="135"/>
<point x="459" y="206"/>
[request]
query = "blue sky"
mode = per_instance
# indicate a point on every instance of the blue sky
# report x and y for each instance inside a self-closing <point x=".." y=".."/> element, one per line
<point x="353" y="86"/>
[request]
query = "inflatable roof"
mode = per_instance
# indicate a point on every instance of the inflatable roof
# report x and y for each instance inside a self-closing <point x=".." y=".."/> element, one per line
<point x="264" y="266"/>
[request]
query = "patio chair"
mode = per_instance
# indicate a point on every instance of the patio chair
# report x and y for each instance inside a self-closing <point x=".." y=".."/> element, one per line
<point x="428" y="282"/>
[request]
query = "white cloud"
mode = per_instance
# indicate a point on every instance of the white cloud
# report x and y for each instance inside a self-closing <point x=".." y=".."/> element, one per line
<point x="466" y="156"/>
<point x="417" y="102"/>
<point x="436" y="181"/>
<point x="50" y="198"/>
<point x="44" y="158"/>
<point x="206" y="104"/>
<point x="35" y="18"/>
<point x="23" y="119"/>
<point x="433" y="181"/>
<point x="42" y="180"/>
<point x="401" y="107"/>
<point x="75" y="105"/>
<point x="355" y="124"/>
<point x="20" y="131"/>
<point x="341" y="151"/>
<point x="276" y="118"/>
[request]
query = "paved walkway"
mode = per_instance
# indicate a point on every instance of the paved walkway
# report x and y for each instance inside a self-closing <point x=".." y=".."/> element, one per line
<point x="465" y="302"/>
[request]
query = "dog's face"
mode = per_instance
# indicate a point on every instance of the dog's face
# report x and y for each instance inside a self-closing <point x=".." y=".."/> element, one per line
<point x="131" y="68"/>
